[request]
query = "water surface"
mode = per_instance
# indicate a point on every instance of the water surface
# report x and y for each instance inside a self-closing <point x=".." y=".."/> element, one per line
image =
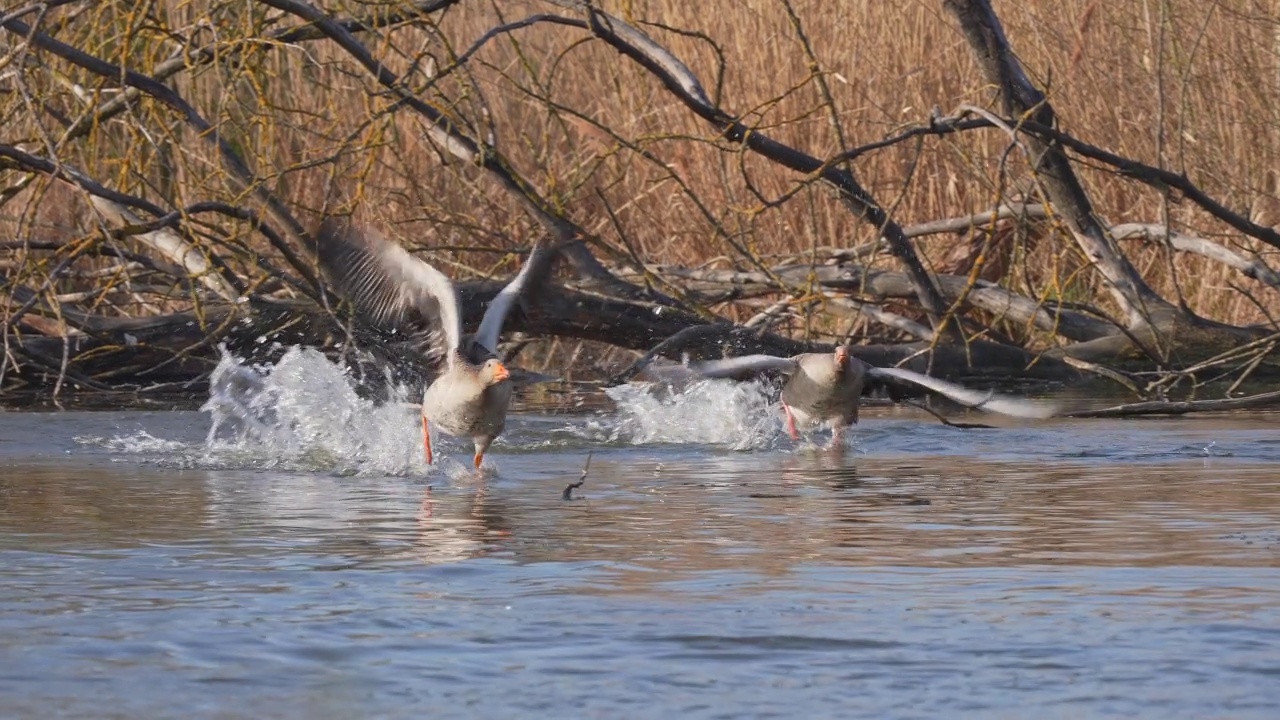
<point x="314" y="568"/>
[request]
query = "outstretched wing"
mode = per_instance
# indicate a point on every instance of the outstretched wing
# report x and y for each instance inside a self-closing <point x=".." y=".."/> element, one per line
<point x="665" y="371"/>
<point x="990" y="401"/>
<point x="744" y="367"/>
<point x="496" y="314"/>
<point x="385" y="283"/>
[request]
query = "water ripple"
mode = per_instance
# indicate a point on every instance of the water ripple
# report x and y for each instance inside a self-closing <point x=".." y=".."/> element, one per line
<point x="1075" y="568"/>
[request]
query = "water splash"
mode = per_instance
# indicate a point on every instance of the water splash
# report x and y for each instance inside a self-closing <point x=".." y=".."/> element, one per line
<point x="139" y="442"/>
<point x="739" y="415"/>
<point x="304" y="412"/>
<point x="306" y="407"/>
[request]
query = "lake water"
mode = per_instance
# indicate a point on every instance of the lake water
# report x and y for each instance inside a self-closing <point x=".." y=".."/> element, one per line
<point x="302" y="562"/>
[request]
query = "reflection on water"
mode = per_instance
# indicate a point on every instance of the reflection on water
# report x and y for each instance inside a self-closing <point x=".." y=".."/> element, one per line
<point x="1073" y="569"/>
<point x="683" y="514"/>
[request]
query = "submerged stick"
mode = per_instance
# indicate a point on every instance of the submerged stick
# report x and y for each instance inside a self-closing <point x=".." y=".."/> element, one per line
<point x="945" y="421"/>
<point x="568" y="491"/>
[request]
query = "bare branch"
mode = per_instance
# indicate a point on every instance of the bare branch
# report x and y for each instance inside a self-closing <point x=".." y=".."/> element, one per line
<point x="884" y="317"/>
<point x="1019" y="211"/>
<point x="171" y="246"/>
<point x="986" y="36"/>
<point x="882" y="284"/>
<point x="1164" y="407"/>
<point x="1155" y="177"/>
<point x="1183" y="242"/>
<point x="680" y="80"/>
<point x="27" y="161"/>
<point x="239" y="171"/>
<point x="446" y="133"/>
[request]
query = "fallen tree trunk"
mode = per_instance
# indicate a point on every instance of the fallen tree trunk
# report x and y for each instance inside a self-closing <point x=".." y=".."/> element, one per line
<point x="884" y="284"/>
<point x="158" y="352"/>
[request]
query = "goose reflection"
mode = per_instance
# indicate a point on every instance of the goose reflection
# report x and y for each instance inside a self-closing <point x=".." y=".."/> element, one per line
<point x="455" y="528"/>
<point x="821" y="466"/>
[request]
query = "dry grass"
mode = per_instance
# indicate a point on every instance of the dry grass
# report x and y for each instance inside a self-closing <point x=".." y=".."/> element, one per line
<point x="1188" y="85"/>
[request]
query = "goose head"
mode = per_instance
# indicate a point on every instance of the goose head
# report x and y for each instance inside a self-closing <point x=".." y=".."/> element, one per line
<point x="493" y="372"/>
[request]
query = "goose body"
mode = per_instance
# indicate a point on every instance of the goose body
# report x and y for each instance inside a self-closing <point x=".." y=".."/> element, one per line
<point x="472" y="392"/>
<point x="468" y="401"/>
<point x="820" y="391"/>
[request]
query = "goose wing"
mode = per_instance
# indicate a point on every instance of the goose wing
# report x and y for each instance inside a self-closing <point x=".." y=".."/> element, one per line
<point x="990" y="401"/>
<point x="496" y="314"/>
<point x="744" y="367"/>
<point x="386" y="283"/>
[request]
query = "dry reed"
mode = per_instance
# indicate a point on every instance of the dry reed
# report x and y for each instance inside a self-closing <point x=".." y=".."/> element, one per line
<point x="1190" y="86"/>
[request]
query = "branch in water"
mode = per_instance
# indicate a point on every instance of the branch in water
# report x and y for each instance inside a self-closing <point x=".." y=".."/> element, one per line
<point x="568" y="491"/>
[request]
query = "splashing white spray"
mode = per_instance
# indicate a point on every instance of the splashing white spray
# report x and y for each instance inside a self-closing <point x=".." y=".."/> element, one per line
<point x="712" y="412"/>
<point x="304" y="412"/>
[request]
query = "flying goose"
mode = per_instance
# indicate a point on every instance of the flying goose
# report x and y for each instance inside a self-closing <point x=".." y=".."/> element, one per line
<point x="824" y="388"/>
<point x="471" y="394"/>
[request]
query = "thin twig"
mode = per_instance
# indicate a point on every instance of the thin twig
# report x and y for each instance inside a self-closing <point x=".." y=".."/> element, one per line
<point x="568" y="491"/>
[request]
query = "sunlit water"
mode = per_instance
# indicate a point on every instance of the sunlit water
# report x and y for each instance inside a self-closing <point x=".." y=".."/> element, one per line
<point x="286" y="553"/>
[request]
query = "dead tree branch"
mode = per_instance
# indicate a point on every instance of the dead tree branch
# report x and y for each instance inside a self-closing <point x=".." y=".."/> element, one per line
<point x="1182" y="242"/>
<point x="238" y="171"/>
<point x="1142" y="305"/>
<point x="448" y="134"/>
<point x="171" y="247"/>
<point x="676" y="76"/>
<point x="1150" y="175"/>
<point x="189" y="58"/>
<point x="1010" y="211"/>
<point x="882" y="284"/>
<point x="1165" y="407"/>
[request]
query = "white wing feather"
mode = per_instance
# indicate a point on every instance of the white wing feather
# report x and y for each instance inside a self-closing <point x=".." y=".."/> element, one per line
<point x="421" y="279"/>
<point x="491" y="326"/>
<point x="1003" y="404"/>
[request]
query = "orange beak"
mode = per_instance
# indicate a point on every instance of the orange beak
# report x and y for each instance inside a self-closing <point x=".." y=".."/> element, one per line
<point x="500" y="373"/>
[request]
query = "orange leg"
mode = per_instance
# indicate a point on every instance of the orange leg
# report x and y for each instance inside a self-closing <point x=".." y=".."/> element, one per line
<point x="482" y="444"/>
<point x="791" y="423"/>
<point x="426" y="439"/>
